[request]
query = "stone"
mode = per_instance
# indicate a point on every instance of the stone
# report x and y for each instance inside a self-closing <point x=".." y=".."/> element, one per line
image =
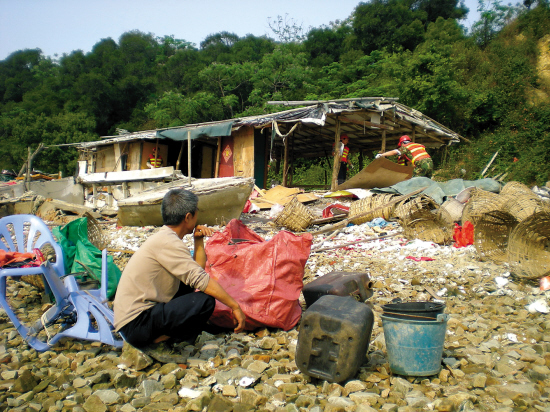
<point x="149" y="386"/>
<point x="219" y="404"/>
<point x="108" y="397"/>
<point x="25" y="382"/>
<point x="134" y="358"/>
<point x="94" y="404"/>
<point x="251" y="397"/>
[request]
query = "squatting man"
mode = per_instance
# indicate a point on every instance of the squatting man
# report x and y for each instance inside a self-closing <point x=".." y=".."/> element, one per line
<point x="156" y="299"/>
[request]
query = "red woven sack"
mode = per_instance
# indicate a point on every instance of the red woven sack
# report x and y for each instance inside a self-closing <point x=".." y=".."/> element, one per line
<point x="264" y="277"/>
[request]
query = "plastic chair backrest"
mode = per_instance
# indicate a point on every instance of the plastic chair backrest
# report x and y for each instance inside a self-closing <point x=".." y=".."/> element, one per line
<point x="23" y="233"/>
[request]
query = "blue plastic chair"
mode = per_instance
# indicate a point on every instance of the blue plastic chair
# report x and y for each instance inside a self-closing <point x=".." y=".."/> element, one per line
<point x="84" y="314"/>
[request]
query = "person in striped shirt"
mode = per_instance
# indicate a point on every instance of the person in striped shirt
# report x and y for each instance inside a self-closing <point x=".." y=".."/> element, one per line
<point x="414" y="153"/>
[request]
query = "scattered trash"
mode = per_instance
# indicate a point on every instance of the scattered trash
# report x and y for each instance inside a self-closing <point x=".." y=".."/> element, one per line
<point x="189" y="393"/>
<point x="420" y="259"/>
<point x="540" y="305"/>
<point x="545" y="283"/>
<point x="246" y="381"/>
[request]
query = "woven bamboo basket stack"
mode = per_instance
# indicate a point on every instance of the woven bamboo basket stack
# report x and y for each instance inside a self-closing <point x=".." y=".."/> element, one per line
<point x="408" y="206"/>
<point x="369" y="203"/>
<point x="430" y="226"/>
<point x="491" y="235"/>
<point x="481" y="201"/>
<point x="529" y="247"/>
<point x="295" y="216"/>
<point x="520" y="201"/>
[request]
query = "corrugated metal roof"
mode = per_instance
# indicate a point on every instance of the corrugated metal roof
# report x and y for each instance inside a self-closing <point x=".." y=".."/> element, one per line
<point x="360" y="119"/>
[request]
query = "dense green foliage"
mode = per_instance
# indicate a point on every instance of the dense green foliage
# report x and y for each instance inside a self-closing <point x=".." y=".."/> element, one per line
<point x="484" y="84"/>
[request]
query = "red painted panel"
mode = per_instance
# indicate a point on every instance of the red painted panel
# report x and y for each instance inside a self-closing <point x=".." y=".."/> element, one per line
<point x="226" y="157"/>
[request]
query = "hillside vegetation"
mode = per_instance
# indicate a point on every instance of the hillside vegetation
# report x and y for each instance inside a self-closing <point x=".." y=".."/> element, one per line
<point x="490" y="84"/>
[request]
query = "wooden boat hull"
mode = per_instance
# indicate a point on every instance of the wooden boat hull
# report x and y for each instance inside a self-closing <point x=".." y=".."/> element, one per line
<point x="220" y="200"/>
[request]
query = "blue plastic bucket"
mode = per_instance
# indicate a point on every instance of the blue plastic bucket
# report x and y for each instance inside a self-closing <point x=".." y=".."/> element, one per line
<point x="415" y="347"/>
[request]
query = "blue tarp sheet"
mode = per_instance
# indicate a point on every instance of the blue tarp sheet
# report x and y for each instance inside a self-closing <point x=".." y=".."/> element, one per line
<point x="217" y="129"/>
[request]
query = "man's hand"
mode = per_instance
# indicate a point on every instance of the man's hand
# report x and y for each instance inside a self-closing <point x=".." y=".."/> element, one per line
<point x="379" y="155"/>
<point x="203" y="231"/>
<point x="240" y="319"/>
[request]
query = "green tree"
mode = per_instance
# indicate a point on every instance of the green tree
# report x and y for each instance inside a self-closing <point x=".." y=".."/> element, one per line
<point x="175" y="109"/>
<point x="390" y="24"/>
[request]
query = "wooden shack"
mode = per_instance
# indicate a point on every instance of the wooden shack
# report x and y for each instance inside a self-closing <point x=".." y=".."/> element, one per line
<point x="245" y="146"/>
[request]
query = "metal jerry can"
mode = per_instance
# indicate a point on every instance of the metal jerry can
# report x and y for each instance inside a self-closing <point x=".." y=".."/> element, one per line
<point x="334" y="338"/>
<point x="355" y="284"/>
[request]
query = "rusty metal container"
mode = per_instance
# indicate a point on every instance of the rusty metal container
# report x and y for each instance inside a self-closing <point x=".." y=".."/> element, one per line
<point x="334" y="338"/>
<point x="355" y="284"/>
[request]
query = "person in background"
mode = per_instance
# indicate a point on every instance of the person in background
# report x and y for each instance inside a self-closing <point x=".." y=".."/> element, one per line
<point x="156" y="299"/>
<point x="155" y="160"/>
<point x="414" y="153"/>
<point x="344" y="161"/>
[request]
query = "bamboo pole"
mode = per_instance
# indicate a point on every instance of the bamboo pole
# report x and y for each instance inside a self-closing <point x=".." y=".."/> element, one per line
<point x="355" y="242"/>
<point x="336" y="163"/>
<point x="285" y="163"/>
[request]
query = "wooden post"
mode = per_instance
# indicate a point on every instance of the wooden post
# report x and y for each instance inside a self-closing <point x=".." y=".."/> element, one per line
<point x="383" y="148"/>
<point x="179" y="156"/>
<point x="156" y="151"/>
<point x="285" y="163"/>
<point x="189" y="156"/>
<point x="218" y="153"/>
<point x="28" y="177"/>
<point x="291" y="169"/>
<point x="336" y="164"/>
<point x="94" y="194"/>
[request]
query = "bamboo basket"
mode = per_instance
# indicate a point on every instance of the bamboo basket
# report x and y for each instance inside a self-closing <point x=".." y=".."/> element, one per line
<point x="368" y="203"/>
<point x="523" y="205"/>
<point x="96" y="235"/>
<point x="481" y="201"/>
<point x="408" y="206"/>
<point x="491" y="235"/>
<point x="529" y="247"/>
<point x="430" y="226"/>
<point x="295" y="216"/>
<point x="515" y="188"/>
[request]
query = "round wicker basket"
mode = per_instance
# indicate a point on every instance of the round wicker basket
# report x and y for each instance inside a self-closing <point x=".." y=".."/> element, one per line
<point x="481" y="201"/>
<point x="369" y="203"/>
<point x="515" y="188"/>
<point x="430" y="226"/>
<point x="523" y="205"/>
<point x="96" y="236"/>
<point x="529" y="247"/>
<point x="491" y="235"/>
<point x="408" y="206"/>
<point x="295" y="216"/>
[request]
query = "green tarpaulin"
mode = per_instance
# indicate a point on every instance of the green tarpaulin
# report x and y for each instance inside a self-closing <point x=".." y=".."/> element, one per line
<point x="73" y="239"/>
<point x="439" y="191"/>
<point x="181" y="133"/>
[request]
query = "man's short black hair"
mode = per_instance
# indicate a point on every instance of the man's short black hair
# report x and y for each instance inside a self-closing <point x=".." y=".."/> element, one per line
<point x="176" y="204"/>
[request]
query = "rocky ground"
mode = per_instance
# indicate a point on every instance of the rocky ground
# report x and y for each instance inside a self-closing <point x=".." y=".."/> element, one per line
<point x="496" y="354"/>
